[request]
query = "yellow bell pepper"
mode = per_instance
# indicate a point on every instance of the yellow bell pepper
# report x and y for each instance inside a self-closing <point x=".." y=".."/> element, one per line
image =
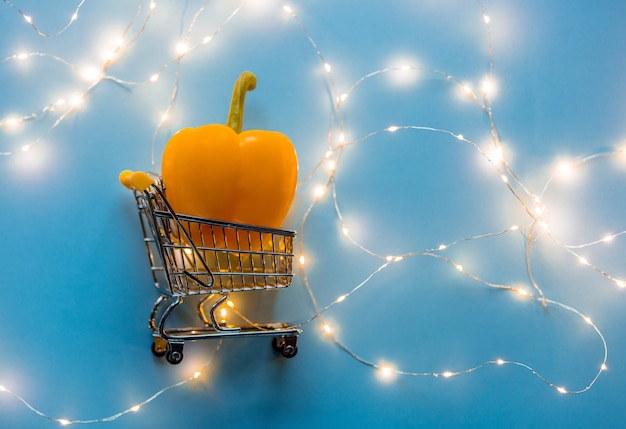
<point x="219" y="172"/>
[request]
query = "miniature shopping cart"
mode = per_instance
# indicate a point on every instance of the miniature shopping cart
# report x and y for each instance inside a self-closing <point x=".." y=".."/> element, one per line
<point x="193" y="256"/>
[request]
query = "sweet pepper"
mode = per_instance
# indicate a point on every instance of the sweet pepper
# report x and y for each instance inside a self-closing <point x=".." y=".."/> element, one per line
<point x="221" y="172"/>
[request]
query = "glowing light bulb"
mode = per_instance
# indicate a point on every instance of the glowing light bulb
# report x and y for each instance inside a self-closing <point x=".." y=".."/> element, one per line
<point x="75" y="16"/>
<point x="109" y="55"/>
<point x="207" y="39"/>
<point x="588" y="320"/>
<point x="28" y="19"/>
<point x="26" y="147"/>
<point x="328" y="154"/>
<point x="500" y="362"/>
<point x="154" y="77"/>
<point x="486" y="19"/>
<point x="77" y="101"/>
<point x="603" y="367"/>
<point x="583" y="261"/>
<point x="223" y="312"/>
<point x="327" y="67"/>
<point x="561" y="389"/>
<point x="3" y="389"/>
<point x="152" y="5"/>
<point x="447" y="374"/>
<point x="328" y="329"/>
<point x="319" y="191"/>
<point x="564" y="169"/>
<point x="341" y="298"/>
<point x="467" y="89"/>
<point x="60" y="102"/>
<point x="21" y="56"/>
<point x="460" y="137"/>
<point x="135" y="408"/>
<point x="332" y="165"/>
<point x="345" y="230"/>
<point x="393" y="129"/>
<point x="608" y="238"/>
<point x="90" y="74"/>
<point x="442" y="247"/>
<point x="301" y="260"/>
<point x="459" y="267"/>
<point x="398" y="259"/>
<point x="182" y="48"/>
<point x="64" y="422"/>
<point x="488" y="87"/>
<point x="164" y="117"/>
<point x="522" y="292"/>
<point x="620" y="283"/>
<point x="504" y="178"/>
<point x="11" y="122"/>
<point x="406" y="68"/>
<point x="188" y="251"/>
<point x="288" y="9"/>
<point x="197" y="374"/>
<point x="496" y="155"/>
<point x="386" y="372"/>
<point x="343" y="97"/>
<point x="342" y="137"/>
<point x="230" y="304"/>
<point x="514" y="228"/>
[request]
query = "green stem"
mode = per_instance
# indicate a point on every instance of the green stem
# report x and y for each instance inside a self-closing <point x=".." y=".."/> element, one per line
<point x="246" y="82"/>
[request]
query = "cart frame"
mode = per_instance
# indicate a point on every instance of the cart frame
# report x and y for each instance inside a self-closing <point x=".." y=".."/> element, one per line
<point x="192" y="256"/>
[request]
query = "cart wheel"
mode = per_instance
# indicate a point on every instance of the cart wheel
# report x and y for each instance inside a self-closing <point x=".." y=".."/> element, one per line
<point x="159" y="347"/>
<point x="289" y="351"/>
<point x="174" y="354"/>
<point x="174" y="357"/>
<point x="286" y="346"/>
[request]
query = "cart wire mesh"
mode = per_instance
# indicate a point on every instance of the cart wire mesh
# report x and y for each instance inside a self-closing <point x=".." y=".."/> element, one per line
<point x="205" y="256"/>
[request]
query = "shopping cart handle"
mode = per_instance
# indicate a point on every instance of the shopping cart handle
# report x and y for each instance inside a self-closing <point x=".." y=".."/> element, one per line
<point x="136" y="180"/>
<point x="141" y="180"/>
<point x="125" y="179"/>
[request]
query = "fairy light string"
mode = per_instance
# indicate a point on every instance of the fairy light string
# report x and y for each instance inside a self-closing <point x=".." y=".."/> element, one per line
<point x="95" y="75"/>
<point x="507" y="176"/>
<point x="92" y="75"/>
<point x="184" y="49"/>
<point x="531" y="204"/>
<point x="132" y="409"/>
<point x="29" y="19"/>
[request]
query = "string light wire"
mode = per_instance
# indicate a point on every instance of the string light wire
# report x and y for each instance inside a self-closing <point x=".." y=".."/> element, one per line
<point x="29" y="20"/>
<point x="532" y="204"/>
<point x="526" y="198"/>
<point x="133" y="409"/>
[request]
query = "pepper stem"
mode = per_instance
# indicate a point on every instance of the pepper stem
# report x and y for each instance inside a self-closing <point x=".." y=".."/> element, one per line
<point x="246" y="82"/>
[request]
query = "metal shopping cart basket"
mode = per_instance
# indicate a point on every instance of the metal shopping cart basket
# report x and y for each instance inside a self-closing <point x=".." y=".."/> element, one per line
<point x="192" y="256"/>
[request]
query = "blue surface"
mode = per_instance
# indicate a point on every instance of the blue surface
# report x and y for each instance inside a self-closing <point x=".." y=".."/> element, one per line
<point x="77" y="288"/>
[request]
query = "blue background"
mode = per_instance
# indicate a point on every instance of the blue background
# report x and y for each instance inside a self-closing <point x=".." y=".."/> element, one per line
<point x="76" y="285"/>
